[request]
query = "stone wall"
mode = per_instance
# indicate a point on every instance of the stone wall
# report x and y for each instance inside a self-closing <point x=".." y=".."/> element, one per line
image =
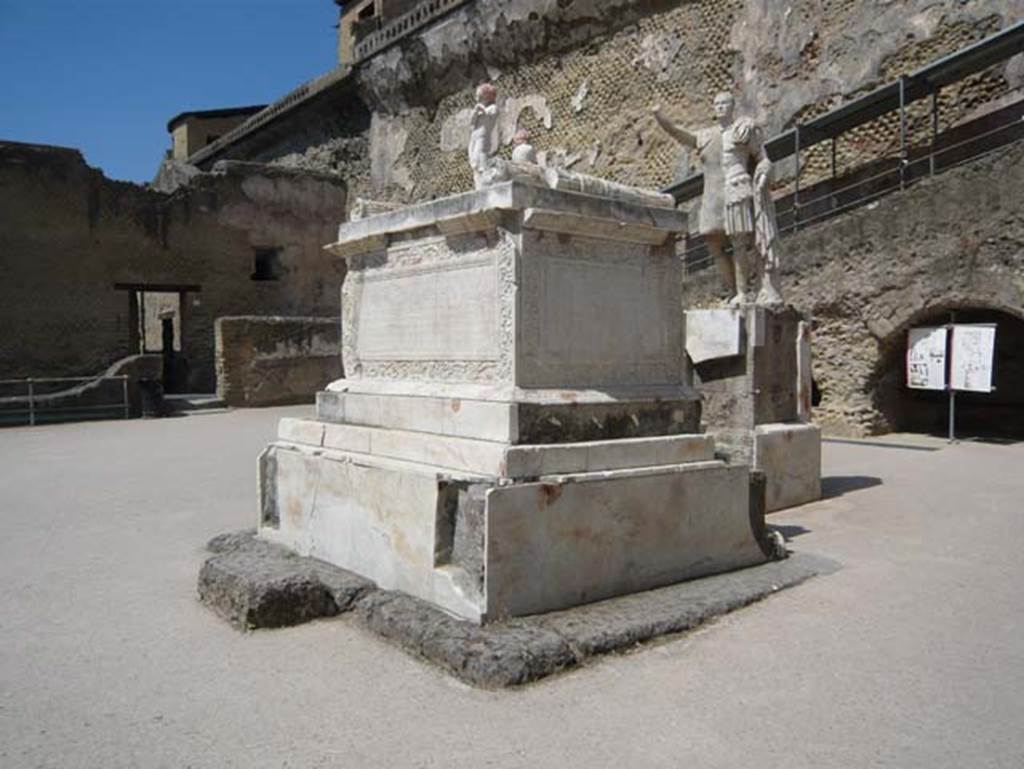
<point x="583" y="75"/>
<point x="955" y="241"/>
<point x="327" y="130"/>
<point x="75" y="246"/>
<point x="269" y="361"/>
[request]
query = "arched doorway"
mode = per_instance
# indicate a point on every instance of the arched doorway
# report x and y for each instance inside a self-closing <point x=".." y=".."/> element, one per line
<point x="999" y="414"/>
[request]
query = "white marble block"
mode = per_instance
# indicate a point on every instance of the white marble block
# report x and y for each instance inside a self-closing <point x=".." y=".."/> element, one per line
<point x="515" y="286"/>
<point x="515" y="432"/>
<point x="789" y="455"/>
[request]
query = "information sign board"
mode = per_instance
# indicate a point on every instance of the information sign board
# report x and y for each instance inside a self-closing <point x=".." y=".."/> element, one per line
<point x="971" y="358"/>
<point x="926" y="358"/>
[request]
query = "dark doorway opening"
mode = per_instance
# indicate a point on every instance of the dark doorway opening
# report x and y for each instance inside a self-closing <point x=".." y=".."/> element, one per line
<point x="999" y="414"/>
<point x="158" y="327"/>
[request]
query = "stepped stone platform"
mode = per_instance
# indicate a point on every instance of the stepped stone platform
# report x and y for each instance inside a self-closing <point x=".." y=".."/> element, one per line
<point x="516" y="432"/>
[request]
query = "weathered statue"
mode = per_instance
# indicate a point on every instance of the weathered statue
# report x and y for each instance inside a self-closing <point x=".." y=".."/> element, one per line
<point x="483" y="134"/>
<point x="736" y="205"/>
<point x="522" y="149"/>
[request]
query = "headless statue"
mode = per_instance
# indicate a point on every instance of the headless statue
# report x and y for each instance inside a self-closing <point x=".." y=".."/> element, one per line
<point x="483" y="134"/>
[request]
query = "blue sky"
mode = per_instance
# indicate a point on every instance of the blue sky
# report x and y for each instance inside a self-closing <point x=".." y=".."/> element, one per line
<point x="105" y="76"/>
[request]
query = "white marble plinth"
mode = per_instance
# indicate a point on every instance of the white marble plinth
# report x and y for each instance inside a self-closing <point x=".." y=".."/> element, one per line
<point x="527" y="547"/>
<point x="515" y="432"/>
<point x="514" y="285"/>
<point x="789" y="455"/>
<point x="753" y="368"/>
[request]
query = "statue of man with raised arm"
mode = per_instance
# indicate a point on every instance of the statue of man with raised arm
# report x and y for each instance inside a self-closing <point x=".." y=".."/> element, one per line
<point x="736" y="205"/>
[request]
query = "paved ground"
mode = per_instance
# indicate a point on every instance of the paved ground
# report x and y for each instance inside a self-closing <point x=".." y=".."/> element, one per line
<point x="911" y="656"/>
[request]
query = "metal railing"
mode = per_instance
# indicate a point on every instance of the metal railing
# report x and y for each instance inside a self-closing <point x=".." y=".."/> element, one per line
<point x="39" y="405"/>
<point x="824" y="200"/>
<point x="796" y="210"/>
<point x="402" y="26"/>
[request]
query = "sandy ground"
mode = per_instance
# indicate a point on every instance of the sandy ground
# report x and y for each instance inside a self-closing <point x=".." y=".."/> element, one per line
<point x="912" y="655"/>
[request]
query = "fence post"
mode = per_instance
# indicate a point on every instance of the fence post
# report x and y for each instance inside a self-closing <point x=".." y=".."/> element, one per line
<point x="796" y="182"/>
<point x="949" y="377"/>
<point x="903" y="132"/>
<point x="935" y="129"/>
<point x="832" y="188"/>
<point x="124" y="395"/>
<point x="31" y="402"/>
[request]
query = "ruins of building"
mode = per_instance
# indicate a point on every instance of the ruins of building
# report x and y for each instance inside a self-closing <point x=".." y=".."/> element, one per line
<point x="97" y="270"/>
<point x="392" y="118"/>
<point x="582" y="77"/>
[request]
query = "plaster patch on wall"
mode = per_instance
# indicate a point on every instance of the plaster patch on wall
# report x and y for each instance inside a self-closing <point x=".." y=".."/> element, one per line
<point x="388" y="136"/>
<point x="657" y="53"/>
<point x="455" y="128"/>
<point x="581" y="95"/>
<point x="515" y="106"/>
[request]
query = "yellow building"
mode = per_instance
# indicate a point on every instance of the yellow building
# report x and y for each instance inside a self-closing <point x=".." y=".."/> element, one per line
<point x="191" y="131"/>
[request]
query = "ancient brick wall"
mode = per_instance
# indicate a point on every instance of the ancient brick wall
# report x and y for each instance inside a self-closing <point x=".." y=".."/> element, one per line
<point x="953" y="242"/>
<point x="72" y="241"/>
<point x="583" y="75"/>
<point x="268" y="361"/>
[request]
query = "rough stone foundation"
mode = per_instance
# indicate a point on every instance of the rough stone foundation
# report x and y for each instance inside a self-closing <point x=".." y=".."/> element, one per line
<point x="76" y="248"/>
<point x="254" y="584"/>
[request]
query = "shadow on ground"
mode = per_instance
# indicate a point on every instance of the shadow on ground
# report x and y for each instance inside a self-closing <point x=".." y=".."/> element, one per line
<point x="881" y="444"/>
<point x="996" y="440"/>
<point x="837" y="485"/>
<point x="790" y="532"/>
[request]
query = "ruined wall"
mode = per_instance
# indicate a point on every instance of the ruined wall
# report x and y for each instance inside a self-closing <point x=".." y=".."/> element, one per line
<point x="328" y="132"/>
<point x="955" y="241"/>
<point x="70" y="237"/>
<point x="583" y="74"/>
<point x="269" y="361"/>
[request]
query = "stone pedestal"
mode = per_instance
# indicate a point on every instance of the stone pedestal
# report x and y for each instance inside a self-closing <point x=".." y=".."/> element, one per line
<point x="752" y="368"/>
<point x="515" y="433"/>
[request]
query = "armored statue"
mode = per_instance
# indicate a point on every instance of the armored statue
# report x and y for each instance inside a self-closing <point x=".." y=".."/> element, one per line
<point x="736" y="206"/>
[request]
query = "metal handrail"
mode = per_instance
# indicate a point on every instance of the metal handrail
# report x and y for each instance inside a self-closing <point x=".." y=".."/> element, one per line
<point x="62" y="379"/>
<point x="930" y="156"/>
<point x="892" y="97"/>
<point x="33" y="398"/>
<point x="898" y="168"/>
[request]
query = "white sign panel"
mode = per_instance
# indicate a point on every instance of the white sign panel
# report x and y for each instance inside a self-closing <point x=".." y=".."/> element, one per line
<point x="713" y="334"/>
<point x="926" y="358"/>
<point x="973" y="348"/>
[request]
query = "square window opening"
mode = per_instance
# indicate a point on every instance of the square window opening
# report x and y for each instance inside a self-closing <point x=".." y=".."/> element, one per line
<point x="266" y="264"/>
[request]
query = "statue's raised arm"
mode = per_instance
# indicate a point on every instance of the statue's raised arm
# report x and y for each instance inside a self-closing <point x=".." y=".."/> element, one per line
<point x="677" y="132"/>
